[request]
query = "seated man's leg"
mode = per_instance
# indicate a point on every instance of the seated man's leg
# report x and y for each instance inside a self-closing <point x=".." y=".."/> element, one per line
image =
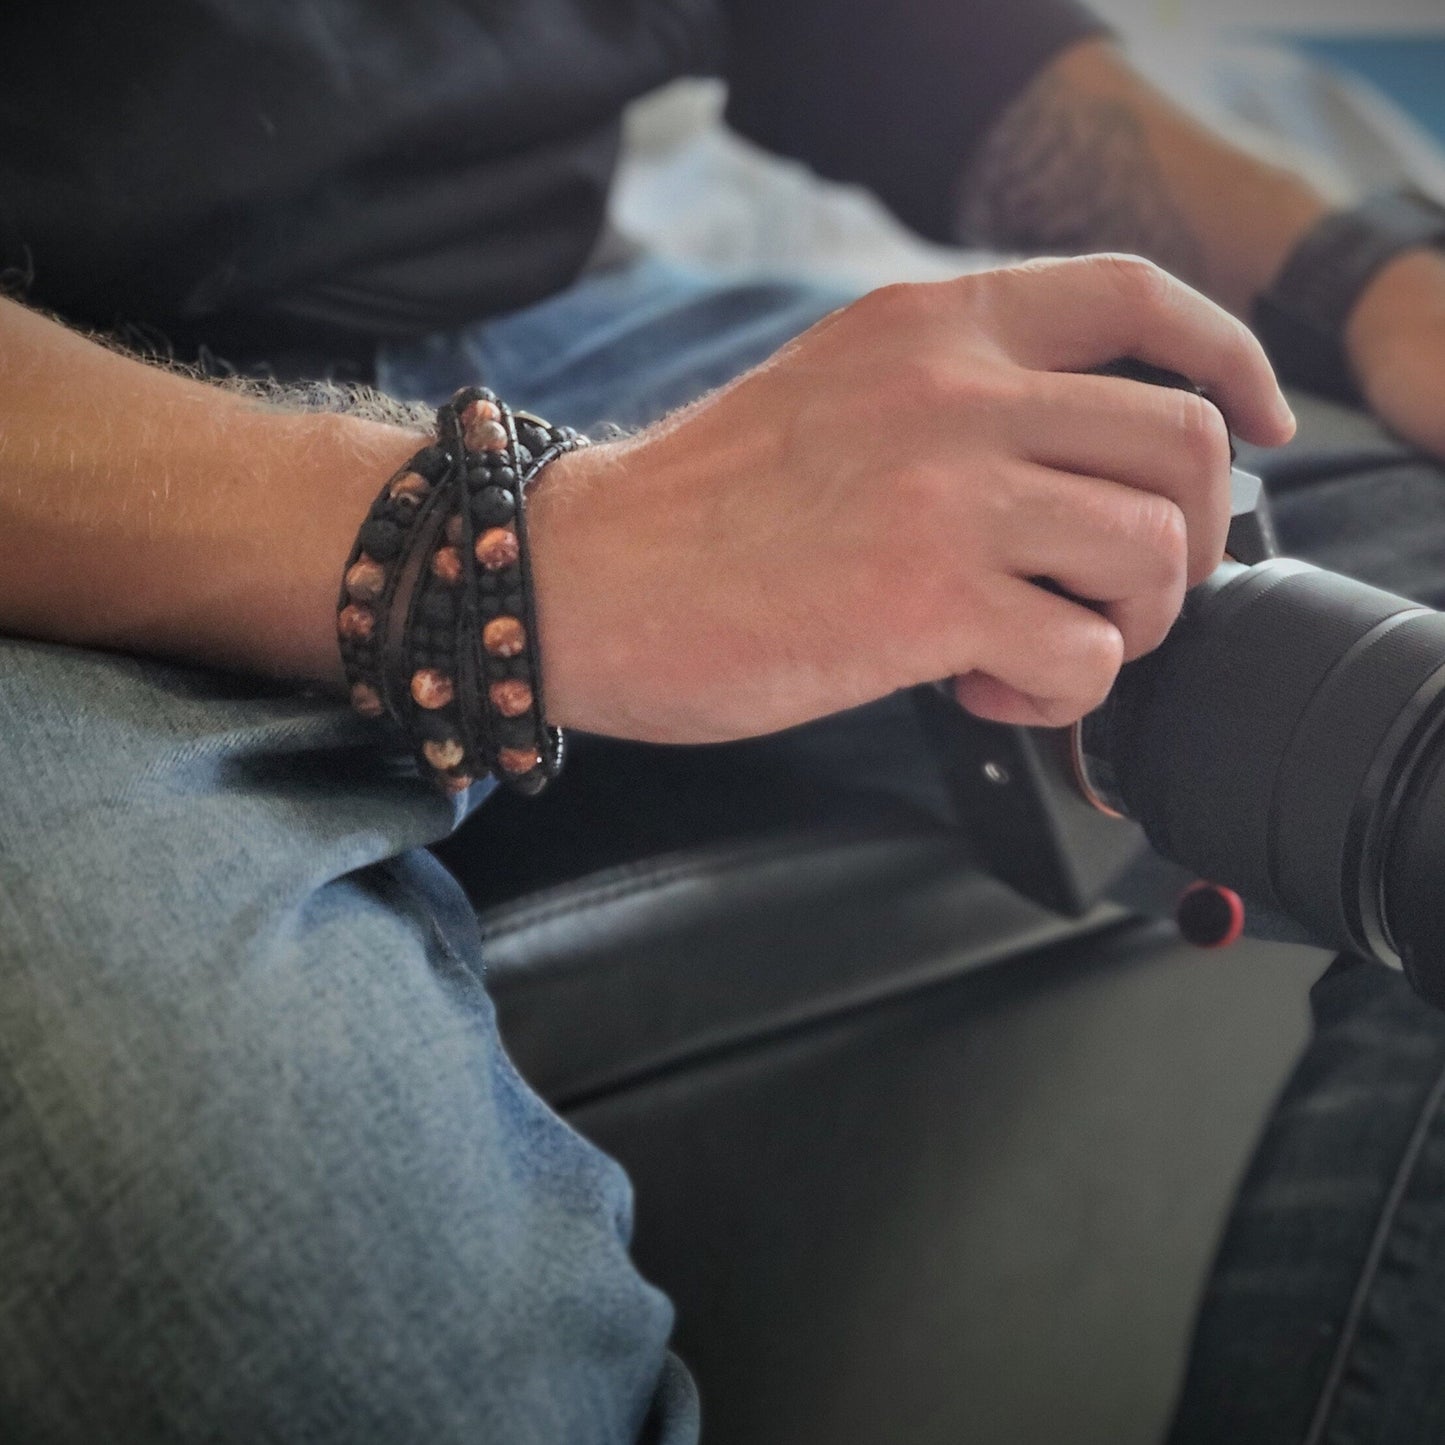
<point x="268" y="1170"/>
<point x="265" y="1171"/>
<point x="1382" y="521"/>
<point x="1324" y="1320"/>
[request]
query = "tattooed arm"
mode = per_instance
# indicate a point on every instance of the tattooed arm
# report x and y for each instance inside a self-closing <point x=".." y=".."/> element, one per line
<point x="1092" y="157"/>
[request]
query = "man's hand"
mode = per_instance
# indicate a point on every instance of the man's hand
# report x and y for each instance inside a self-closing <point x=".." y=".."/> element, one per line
<point x="1396" y="344"/>
<point x="1092" y="156"/>
<point x="875" y="506"/>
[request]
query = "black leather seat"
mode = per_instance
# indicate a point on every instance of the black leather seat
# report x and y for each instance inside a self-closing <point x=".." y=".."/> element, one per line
<point x="916" y="1160"/>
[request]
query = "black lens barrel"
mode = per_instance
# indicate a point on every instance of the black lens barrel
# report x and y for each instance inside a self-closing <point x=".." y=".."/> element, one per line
<point x="1274" y="741"/>
<point x="1414" y="876"/>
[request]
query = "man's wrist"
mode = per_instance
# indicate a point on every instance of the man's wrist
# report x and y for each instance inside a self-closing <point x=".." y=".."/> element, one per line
<point x="1404" y="296"/>
<point x="145" y="510"/>
<point x="1093" y="157"/>
<point x="284" y="623"/>
<point x="1304" y="315"/>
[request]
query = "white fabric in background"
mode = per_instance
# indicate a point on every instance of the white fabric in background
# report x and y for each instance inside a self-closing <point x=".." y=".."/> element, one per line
<point x="687" y="187"/>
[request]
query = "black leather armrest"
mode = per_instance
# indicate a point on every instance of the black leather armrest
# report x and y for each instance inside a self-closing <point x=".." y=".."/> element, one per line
<point x="642" y="966"/>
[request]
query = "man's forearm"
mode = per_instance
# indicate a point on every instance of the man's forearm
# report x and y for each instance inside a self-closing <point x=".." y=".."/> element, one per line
<point x="1092" y="157"/>
<point x="144" y="510"/>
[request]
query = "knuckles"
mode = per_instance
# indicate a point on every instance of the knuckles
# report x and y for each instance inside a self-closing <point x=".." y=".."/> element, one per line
<point x="1159" y="528"/>
<point x="1202" y="434"/>
<point x="903" y="304"/>
<point x="922" y="384"/>
<point x="1144" y="286"/>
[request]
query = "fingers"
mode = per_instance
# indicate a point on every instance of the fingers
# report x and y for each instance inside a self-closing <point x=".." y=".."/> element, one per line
<point x="1117" y="546"/>
<point x="996" y="701"/>
<point x="1039" y="653"/>
<point x="1078" y="313"/>
<point x="1171" y="443"/>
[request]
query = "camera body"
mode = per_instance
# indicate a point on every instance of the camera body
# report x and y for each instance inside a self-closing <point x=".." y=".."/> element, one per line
<point x="1286" y="740"/>
<point x="1031" y="797"/>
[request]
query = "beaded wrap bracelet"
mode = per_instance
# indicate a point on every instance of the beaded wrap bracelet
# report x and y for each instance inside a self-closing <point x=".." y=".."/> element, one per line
<point x="461" y="672"/>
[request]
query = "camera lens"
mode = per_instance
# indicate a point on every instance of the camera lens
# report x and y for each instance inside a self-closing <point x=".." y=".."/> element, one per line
<point x="1414" y="870"/>
<point x="1287" y="741"/>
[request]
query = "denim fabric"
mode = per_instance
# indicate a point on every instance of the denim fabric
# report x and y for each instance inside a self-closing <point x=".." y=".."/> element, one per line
<point x="1324" y="1319"/>
<point x="625" y="346"/>
<point x="266" y="1173"/>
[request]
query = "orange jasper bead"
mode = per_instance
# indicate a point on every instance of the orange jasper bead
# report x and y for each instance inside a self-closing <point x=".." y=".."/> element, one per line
<point x="431" y="687"/>
<point x="487" y="436"/>
<point x="481" y="410"/>
<point x="365" y="579"/>
<point x="446" y="565"/>
<point x="504" y="637"/>
<point x="411" y="489"/>
<point x="455" y="782"/>
<point x="357" y="622"/>
<point x="366" y="700"/>
<point x="518" y="760"/>
<point x="497" y="548"/>
<point x="511" y="697"/>
<point x="442" y="753"/>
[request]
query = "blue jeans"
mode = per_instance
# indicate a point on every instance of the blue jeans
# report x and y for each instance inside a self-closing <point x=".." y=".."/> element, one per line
<point x="1323" y="1322"/>
<point x="266" y="1174"/>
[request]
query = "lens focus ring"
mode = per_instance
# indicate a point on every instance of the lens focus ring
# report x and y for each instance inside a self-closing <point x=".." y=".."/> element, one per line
<point x="1256" y="744"/>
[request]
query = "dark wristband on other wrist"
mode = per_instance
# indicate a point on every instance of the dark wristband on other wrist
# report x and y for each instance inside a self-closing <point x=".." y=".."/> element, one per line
<point x="1301" y="317"/>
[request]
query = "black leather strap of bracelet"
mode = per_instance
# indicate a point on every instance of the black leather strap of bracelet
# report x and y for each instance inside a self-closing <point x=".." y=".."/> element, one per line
<point x="1301" y="317"/>
<point x="447" y="543"/>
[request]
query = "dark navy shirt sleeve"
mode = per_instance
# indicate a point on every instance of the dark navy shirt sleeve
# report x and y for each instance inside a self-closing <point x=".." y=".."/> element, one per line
<point x="892" y="94"/>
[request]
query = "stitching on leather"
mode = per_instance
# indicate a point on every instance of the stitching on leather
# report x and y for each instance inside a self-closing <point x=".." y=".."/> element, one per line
<point x="1354" y="1316"/>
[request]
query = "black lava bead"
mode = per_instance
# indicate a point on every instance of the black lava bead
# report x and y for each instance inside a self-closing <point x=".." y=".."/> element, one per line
<point x="438" y="724"/>
<point x="493" y="506"/>
<point x="512" y="732"/>
<point x="381" y="539"/>
<point x="431" y="462"/>
<point x="438" y="608"/>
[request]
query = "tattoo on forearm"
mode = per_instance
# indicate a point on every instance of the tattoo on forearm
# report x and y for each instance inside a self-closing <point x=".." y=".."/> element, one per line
<point x="1063" y="173"/>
